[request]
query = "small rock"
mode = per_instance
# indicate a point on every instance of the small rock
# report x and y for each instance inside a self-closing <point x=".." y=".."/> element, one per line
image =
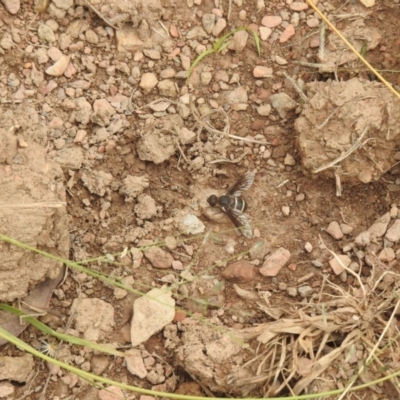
<point x="16" y="368"/>
<point x="148" y="81"/>
<point x="185" y="60"/>
<point x="152" y="54"/>
<point x="292" y="291"/>
<point x="97" y="182"/>
<point x="275" y="262"/>
<point x="265" y="32"/>
<point x="208" y="21"/>
<point x="240" y="41"/>
<point x="186" y="136"/>
<point x="58" y="68"/>
<point x="146" y="207"/>
<point x="334" y="230"/>
<point x="257" y="125"/>
<point x="46" y="33"/>
<point x="93" y="317"/>
<point x="91" y="37"/>
<point x="135" y="364"/>
<point x="393" y="233"/>
<point x="387" y="254"/>
<point x="363" y="239"/>
<point x="158" y="258"/>
<point x="308" y="247"/>
<point x="280" y="60"/>
<point x="259" y="250"/>
<point x="151" y="313"/>
<point x="379" y="227"/>
<point x="305" y="291"/>
<point x="239" y="272"/>
<point x="298" y="6"/>
<point x="336" y="263"/>
<point x="261" y="72"/>
<point x="365" y="176"/>
<point x="110" y="393"/>
<point x="346" y="229"/>
<point x="6" y="390"/>
<point x="264" y="110"/>
<point x="285" y="210"/>
<point x="314" y="42"/>
<point x="166" y="88"/>
<point x="12" y="6"/>
<point x="271" y="21"/>
<point x="205" y="78"/>
<point x="103" y="111"/>
<point x="191" y="225"/>
<point x="167" y="73"/>
<point x="238" y="95"/>
<point x="133" y="186"/>
<point x="70" y="158"/>
<point x="287" y="33"/>
<point x="155" y="147"/>
<point x="312" y="22"/>
<point x="289" y="160"/>
<point x="173" y="30"/>
<point x="6" y="41"/>
<point x="128" y="40"/>
<point x="242" y="15"/>
<point x="196" y="33"/>
<point x="219" y="26"/>
<point x="63" y="4"/>
<point x="394" y="211"/>
<point x="282" y="103"/>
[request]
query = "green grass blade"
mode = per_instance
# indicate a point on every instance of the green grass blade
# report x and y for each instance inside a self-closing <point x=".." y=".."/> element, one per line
<point x="61" y="336"/>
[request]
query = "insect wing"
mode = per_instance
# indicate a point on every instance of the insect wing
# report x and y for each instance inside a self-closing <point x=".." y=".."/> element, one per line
<point x="241" y="185"/>
<point x="240" y="221"/>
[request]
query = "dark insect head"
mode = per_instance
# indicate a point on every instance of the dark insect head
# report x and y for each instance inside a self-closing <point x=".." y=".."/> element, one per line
<point x="212" y="200"/>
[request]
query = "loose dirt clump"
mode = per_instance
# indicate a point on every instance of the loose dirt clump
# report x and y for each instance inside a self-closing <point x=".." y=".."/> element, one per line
<point x="350" y="129"/>
<point x="33" y="211"/>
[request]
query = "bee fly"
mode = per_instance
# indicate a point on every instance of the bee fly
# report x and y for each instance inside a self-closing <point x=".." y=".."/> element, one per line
<point x="233" y="205"/>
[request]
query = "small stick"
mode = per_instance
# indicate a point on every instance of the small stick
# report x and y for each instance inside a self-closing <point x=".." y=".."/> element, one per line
<point x="305" y="277"/>
<point x="229" y="10"/>
<point x="296" y="87"/>
<point x="156" y="31"/>
<point x="164" y="27"/>
<point x="321" y="50"/>
<point x="338" y="185"/>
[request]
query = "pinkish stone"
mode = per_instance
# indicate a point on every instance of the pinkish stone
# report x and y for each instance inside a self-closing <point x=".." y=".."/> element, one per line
<point x="271" y="21"/>
<point x="287" y="33"/>
<point x="298" y="6"/>
<point x="314" y="42"/>
<point x="173" y="30"/>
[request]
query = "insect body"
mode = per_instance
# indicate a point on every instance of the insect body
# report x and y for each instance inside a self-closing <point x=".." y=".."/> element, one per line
<point x="233" y="205"/>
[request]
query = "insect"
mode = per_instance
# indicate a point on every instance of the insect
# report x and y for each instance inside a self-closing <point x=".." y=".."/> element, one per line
<point x="233" y="205"/>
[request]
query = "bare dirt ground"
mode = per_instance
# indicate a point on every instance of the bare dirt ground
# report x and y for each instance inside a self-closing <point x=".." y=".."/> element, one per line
<point x="98" y="120"/>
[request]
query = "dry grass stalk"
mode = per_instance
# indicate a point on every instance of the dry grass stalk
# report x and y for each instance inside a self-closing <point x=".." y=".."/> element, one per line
<point x="330" y="336"/>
